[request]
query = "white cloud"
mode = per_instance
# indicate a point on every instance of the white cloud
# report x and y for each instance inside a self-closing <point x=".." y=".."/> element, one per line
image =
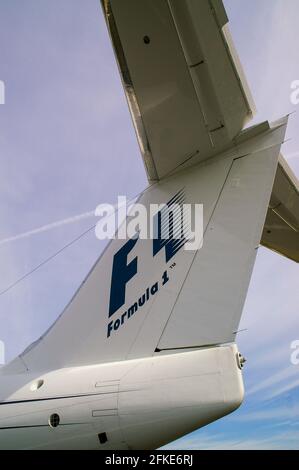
<point x="286" y="388"/>
<point x="274" y="379"/>
<point x="289" y="440"/>
<point x="280" y="413"/>
<point x="47" y="227"/>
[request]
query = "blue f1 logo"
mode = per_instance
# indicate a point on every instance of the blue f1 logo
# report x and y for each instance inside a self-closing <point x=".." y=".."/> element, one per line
<point x="121" y="274"/>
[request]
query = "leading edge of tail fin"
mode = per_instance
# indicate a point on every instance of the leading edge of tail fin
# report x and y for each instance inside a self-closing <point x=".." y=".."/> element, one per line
<point x="145" y="295"/>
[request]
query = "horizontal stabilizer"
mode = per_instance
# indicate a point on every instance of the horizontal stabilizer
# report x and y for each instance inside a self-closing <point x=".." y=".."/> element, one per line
<point x="184" y="83"/>
<point x="281" y="231"/>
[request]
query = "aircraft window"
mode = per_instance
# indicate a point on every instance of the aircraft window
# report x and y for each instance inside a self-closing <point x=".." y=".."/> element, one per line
<point x="103" y="437"/>
<point x="54" y="420"/>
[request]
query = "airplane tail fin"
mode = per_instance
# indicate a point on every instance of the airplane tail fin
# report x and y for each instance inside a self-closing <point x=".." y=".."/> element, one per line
<point x="146" y="296"/>
<point x="189" y="103"/>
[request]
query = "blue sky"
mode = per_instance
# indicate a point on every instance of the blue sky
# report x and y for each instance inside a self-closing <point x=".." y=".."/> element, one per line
<point x="67" y="144"/>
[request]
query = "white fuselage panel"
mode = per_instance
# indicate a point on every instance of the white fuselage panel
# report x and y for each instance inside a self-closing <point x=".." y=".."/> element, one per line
<point x="138" y="404"/>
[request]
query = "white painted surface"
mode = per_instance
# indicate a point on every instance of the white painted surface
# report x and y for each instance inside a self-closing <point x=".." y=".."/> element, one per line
<point x="140" y="404"/>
